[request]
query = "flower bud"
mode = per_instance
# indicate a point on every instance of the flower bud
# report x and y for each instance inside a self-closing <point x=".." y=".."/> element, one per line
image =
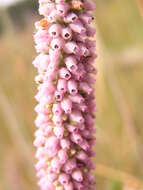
<point x="64" y="73"/>
<point x="58" y="95"/>
<point x="71" y="63"/>
<point x="71" y="17"/>
<point x="62" y="155"/>
<point x="77" y="27"/>
<point x="57" y="109"/>
<point x="56" y="165"/>
<point x="62" y="85"/>
<point x="65" y="144"/>
<point x="64" y="179"/>
<point x="71" y="47"/>
<point x="69" y="186"/>
<point x="69" y="166"/>
<point x="57" y="44"/>
<point x="76" y="116"/>
<point x="59" y="132"/>
<point x="66" y="105"/>
<point x="62" y="9"/>
<point x="77" y="175"/>
<point x="55" y="30"/>
<point x="66" y="33"/>
<point x="72" y="87"/>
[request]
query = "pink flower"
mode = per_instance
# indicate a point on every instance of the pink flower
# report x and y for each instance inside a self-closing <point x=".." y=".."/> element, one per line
<point x="41" y="173"/>
<point x="77" y="98"/>
<point x="41" y="119"/>
<point x="72" y="128"/>
<point x="55" y="30"/>
<point x="66" y="33"/>
<point x="57" y="120"/>
<point x="56" y="165"/>
<point x="78" y="185"/>
<point x="40" y="153"/>
<point x="91" y="31"/>
<point x="41" y="164"/>
<point x="52" y="177"/>
<point x="58" y="95"/>
<point x="80" y="37"/>
<point x="71" y="47"/>
<point x="62" y="85"/>
<point x="65" y="144"/>
<point x="62" y="8"/>
<point x="45" y="184"/>
<point x="59" y="132"/>
<point x="42" y="47"/>
<point x="83" y="50"/>
<point x="72" y="87"/>
<point x="62" y="154"/>
<point x="69" y="166"/>
<point x="76" y="138"/>
<point x="64" y="73"/>
<point x="57" y="109"/>
<point x="66" y="108"/>
<point x="71" y="17"/>
<point x="41" y="108"/>
<point x="90" y="5"/>
<point x="78" y="27"/>
<point x="57" y="43"/>
<point x="69" y="186"/>
<point x="66" y="105"/>
<point x="47" y="88"/>
<point x="52" y="16"/>
<point x="64" y="179"/>
<point x="85" y="87"/>
<point x="76" y="116"/>
<point x="84" y="145"/>
<point x="77" y="175"/>
<point x="39" y="141"/>
<point x="54" y="55"/>
<point x="46" y="8"/>
<point x="71" y="64"/>
<point x="86" y="18"/>
<point x="82" y="156"/>
<point x="60" y="1"/>
<point x="42" y="36"/>
<point x="52" y="145"/>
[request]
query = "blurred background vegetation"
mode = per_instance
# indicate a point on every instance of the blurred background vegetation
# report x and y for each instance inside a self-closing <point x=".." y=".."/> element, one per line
<point x="119" y="93"/>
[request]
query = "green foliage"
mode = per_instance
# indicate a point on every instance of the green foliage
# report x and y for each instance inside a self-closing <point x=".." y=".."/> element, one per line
<point x="1" y="26"/>
<point x="120" y="23"/>
<point x="115" y="185"/>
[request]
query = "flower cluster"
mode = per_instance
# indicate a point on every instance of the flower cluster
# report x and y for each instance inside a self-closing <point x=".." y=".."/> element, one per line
<point x="66" y="105"/>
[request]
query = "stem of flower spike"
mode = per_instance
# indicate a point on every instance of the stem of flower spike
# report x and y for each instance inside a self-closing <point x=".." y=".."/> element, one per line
<point x="66" y="107"/>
